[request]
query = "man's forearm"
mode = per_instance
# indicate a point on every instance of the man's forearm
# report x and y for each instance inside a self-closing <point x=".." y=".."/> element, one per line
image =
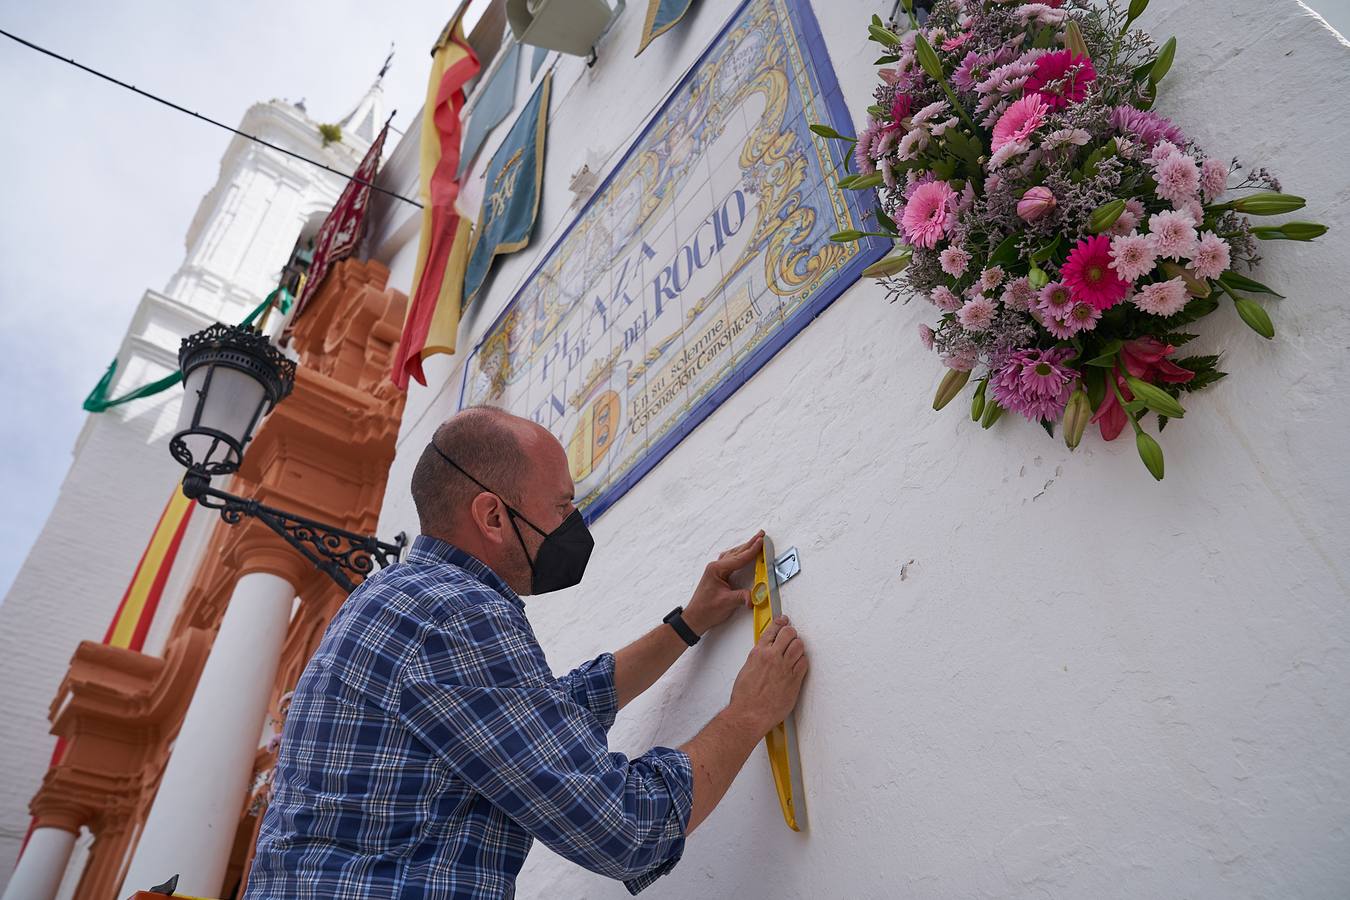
<point x="716" y="755"/>
<point x="641" y="663"/>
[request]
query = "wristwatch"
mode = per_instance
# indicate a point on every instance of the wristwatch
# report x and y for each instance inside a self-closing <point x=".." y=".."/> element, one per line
<point x="676" y="621"/>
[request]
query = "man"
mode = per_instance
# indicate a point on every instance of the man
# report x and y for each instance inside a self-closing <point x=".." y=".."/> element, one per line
<point x="428" y="744"/>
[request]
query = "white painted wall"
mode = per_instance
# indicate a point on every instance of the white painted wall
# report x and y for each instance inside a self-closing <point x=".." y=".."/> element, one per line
<point x="1036" y="673"/>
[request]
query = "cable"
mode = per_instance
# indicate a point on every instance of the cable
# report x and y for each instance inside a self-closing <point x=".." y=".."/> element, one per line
<point x="171" y="105"/>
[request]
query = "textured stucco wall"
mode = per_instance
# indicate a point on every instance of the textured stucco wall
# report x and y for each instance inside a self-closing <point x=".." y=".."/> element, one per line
<point x="1035" y="673"/>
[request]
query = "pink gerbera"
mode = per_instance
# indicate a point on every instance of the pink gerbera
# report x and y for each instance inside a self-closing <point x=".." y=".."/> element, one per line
<point x="1089" y="275"/>
<point x="1019" y="121"/>
<point x="1035" y="383"/>
<point x="1061" y="78"/>
<point x="1054" y="299"/>
<point x="928" y="214"/>
<point x="1082" y="317"/>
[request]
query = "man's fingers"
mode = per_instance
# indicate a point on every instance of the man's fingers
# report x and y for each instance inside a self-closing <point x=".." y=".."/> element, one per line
<point x="786" y="635"/>
<point x="800" y="666"/>
<point x="771" y="630"/>
<point x="737" y="557"/>
<point x="795" y="650"/>
<point x="744" y="597"/>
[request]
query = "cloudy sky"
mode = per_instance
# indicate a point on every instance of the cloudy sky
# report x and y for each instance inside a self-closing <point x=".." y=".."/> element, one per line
<point x="101" y="184"/>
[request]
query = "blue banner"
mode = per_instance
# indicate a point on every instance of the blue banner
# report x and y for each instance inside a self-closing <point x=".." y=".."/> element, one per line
<point x="662" y="15"/>
<point x="511" y="192"/>
<point x="491" y="108"/>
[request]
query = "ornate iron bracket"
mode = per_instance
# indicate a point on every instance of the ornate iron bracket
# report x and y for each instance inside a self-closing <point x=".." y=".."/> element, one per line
<point x="335" y="551"/>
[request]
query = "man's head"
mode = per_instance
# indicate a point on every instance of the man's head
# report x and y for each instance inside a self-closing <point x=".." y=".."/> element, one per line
<point x="519" y="464"/>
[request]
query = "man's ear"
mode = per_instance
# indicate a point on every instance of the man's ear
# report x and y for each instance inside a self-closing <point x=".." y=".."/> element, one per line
<point x="490" y="517"/>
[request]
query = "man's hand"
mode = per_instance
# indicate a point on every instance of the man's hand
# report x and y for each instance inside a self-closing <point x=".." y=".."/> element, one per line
<point x="714" y="598"/>
<point x="768" y="684"/>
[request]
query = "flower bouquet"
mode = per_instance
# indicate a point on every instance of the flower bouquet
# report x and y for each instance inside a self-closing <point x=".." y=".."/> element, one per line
<point x="1066" y="232"/>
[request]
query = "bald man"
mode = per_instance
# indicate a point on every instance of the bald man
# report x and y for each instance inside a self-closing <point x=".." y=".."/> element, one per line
<point x="428" y="744"/>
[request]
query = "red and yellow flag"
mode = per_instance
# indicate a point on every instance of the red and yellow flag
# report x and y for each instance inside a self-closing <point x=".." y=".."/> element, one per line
<point x="438" y="284"/>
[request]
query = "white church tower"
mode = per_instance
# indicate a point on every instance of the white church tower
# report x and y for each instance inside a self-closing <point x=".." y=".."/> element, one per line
<point x="263" y="210"/>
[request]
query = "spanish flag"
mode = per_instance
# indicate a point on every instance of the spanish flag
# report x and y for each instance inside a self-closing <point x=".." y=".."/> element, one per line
<point x="433" y="314"/>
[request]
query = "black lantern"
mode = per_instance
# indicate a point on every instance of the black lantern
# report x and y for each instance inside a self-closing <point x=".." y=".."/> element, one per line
<point x="233" y="376"/>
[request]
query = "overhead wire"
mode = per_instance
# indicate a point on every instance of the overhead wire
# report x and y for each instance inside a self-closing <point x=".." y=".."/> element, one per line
<point x="197" y="115"/>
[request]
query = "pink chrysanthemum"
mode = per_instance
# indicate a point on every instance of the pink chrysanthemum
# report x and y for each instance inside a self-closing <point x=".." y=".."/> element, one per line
<point x="1213" y="179"/>
<point x="1132" y="256"/>
<point x="1018" y="294"/>
<point x="1211" y="257"/>
<point x="1162" y="151"/>
<point x="1055" y="299"/>
<point x="954" y="261"/>
<point x="1019" y="121"/>
<point x="945" y="300"/>
<point x="1089" y="275"/>
<point x="1129" y="217"/>
<point x="926" y="336"/>
<point x="1172" y="233"/>
<point x="1082" y="317"/>
<point x="977" y="314"/>
<point x="961" y="360"/>
<point x="1061" y="78"/>
<point x="1194" y="209"/>
<point x="954" y="43"/>
<point x="928" y="214"/>
<point x="1147" y="126"/>
<point x="862" y="153"/>
<point x="1178" y="179"/>
<point x="991" y="278"/>
<point x="1035" y="383"/>
<point x="1163" y="298"/>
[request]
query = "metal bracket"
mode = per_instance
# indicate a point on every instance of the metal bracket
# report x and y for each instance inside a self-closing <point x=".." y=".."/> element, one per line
<point x="787" y="565"/>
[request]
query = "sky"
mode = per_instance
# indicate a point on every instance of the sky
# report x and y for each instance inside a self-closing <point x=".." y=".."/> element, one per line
<point x="100" y="185"/>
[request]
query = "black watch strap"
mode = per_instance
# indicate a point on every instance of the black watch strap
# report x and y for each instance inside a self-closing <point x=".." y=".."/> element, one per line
<point x="676" y="621"/>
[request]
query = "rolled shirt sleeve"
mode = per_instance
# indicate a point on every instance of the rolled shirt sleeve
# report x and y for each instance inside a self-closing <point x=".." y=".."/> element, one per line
<point x="479" y="694"/>
<point x="591" y="684"/>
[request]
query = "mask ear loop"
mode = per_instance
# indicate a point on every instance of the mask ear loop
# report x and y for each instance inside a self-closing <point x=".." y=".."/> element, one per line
<point x="511" y="514"/>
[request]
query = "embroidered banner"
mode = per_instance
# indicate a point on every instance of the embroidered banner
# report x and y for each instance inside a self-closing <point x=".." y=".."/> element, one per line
<point x="492" y="106"/>
<point x="341" y="230"/>
<point x="662" y="15"/>
<point x="706" y="249"/>
<point x="511" y="191"/>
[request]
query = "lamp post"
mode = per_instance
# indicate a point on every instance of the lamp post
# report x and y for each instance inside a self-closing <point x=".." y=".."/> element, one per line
<point x="233" y="377"/>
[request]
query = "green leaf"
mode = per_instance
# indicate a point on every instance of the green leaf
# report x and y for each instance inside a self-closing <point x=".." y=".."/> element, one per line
<point x="1137" y="8"/>
<point x="885" y="221"/>
<point x="878" y="113"/>
<point x="828" y="132"/>
<point x="883" y="35"/>
<point x="1235" y="282"/>
<point x="977" y="401"/>
<point x="863" y="182"/>
<point x="886" y="60"/>
<point x="1094" y="380"/>
<point x="1044" y="39"/>
<point x="1005" y="254"/>
<point x="1155" y="398"/>
<point x="1047" y="251"/>
<point x="1163" y="62"/>
<point x="1255" y="316"/>
<point x="1048" y="426"/>
<point x="1107" y="358"/>
<point x="1178" y="339"/>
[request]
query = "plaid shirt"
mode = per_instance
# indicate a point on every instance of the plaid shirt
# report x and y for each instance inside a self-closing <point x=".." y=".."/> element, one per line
<point x="427" y="744"/>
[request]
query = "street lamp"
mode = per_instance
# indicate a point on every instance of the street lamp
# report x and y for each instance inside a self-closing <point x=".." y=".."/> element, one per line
<point x="233" y="376"/>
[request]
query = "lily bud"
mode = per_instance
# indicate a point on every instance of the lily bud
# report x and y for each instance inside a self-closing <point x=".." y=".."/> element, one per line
<point x="848" y="234"/>
<point x="977" y="402"/>
<point x="1037" y="278"/>
<point x="1267" y="204"/>
<point x="1104" y="216"/>
<point x="1077" y="412"/>
<point x="1150" y="453"/>
<point x="951" y="385"/>
<point x="1073" y="40"/>
<point x="891" y="265"/>
<point x="1195" y="285"/>
<point x="1255" y="316"/>
<point x="1155" y="398"/>
<point x="992" y="413"/>
<point x="1290" y="231"/>
<point x="1035" y="204"/>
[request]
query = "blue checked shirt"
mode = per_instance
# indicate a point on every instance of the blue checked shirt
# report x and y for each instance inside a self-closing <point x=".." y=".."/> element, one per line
<point x="428" y="744"/>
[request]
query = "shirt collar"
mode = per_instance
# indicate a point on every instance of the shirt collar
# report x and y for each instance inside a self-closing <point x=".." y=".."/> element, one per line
<point x="427" y="550"/>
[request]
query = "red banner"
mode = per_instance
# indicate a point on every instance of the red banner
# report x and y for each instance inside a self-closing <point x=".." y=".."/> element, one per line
<point x="341" y="231"/>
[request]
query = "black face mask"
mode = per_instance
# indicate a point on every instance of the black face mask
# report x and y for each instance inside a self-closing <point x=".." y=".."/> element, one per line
<point x="562" y="557"/>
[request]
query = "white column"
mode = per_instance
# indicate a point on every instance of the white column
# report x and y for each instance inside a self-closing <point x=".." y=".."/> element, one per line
<point x="41" y="866"/>
<point x="191" y="825"/>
